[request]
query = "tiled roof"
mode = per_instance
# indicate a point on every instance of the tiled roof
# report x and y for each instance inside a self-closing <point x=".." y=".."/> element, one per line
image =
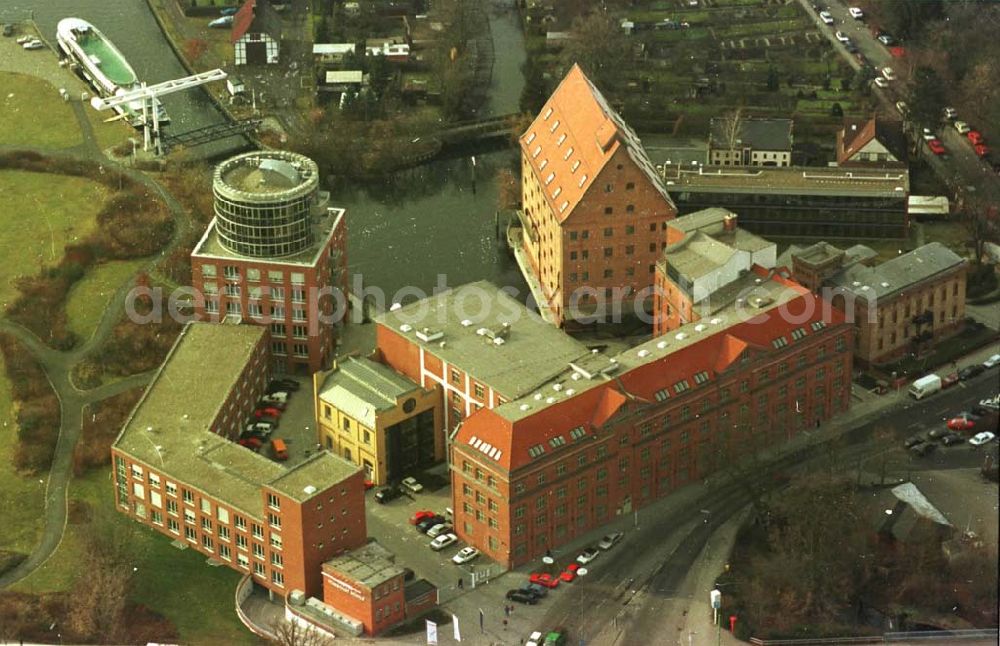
<point x="242" y="20"/>
<point x="515" y="434"/>
<point x="572" y="139"/>
<point x="857" y="133"/>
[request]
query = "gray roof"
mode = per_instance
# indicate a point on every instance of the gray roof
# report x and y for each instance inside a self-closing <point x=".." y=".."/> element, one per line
<point x="821" y="252"/>
<point x="899" y="273"/>
<point x="707" y="245"/>
<point x="758" y="134"/>
<point x="462" y="327"/>
<point x="789" y="180"/>
<point x="170" y="428"/>
<point x="371" y="565"/>
<point x="361" y="387"/>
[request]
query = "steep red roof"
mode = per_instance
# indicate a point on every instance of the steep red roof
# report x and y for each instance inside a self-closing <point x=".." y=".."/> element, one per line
<point x="572" y="139"/>
<point x="242" y="20"/>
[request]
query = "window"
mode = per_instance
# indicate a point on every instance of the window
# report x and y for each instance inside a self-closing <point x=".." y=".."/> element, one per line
<point x="276" y="560"/>
<point x="298" y="278"/>
<point x="258" y="550"/>
<point x="223" y="532"/>
<point x="229" y="271"/>
<point x="189" y="516"/>
<point x="258" y="531"/>
<point x="224" y="552"/>
<point x="172" y="507"/>
<point x="243" y="561"/>
<point x="208" y="270"/>
<point x="173" y="526"/>
<point x="190" y="534"/>
<point x="608" y="232"/>
<point x="259" y="569"/>
<point x="274" y="520"/>
<point x="240" y="522"/>
<point x="207" y="543"/>
<point x="206" y="524"/>
<point x="629" y="186"/>
<point x="278" y="578"/>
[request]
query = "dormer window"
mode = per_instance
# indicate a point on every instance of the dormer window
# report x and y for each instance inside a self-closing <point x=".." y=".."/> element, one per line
<point x="583" y="180"/>
<point x="548" y="180"/>
<point x="555" y="125"/>
<point x="576" y="165"/>
<point x="562" y="138"/>
<point x="556" y="192"/>
<point x="548" y="113"/>
<point x="538" y="149"/>
<point x="562" y="207"/>
<point x="545" y="162"/>
<point x="569" y="151"/>
<point x="531" y="137"/>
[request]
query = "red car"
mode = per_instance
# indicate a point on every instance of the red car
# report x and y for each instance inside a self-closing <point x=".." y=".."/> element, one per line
<point x="961" y="424"/>
<point x="276" y="405"/>
<point x="420" y="515"/>
<point x="949" y="380"/>
<point x="369" y="484"/>
<point x="545" y="579"/>
<point x="251" y="443"/>
<point x="569" y="574"/>
<point x="936" y="146"/>
<point x="981" y="150"/>
<point x="975" y="137"/>
<point x="267" y="412"/>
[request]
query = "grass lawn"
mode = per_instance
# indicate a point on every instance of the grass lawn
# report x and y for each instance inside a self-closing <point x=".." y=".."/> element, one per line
<point x="23" y="499"/>
<point x="90" y="295"/>
<point x="112" y="133"/>
<point x="46" y="212"/>
<point x="34" y="114"/>
<point x="200" y="599"/>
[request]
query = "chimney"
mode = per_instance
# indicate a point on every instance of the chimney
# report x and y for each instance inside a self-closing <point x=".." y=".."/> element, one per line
<point x="729" y="222"/>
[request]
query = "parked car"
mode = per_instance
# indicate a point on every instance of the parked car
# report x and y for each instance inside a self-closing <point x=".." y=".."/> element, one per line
<point x="521" y="597"/>
<point x="937" y="433"/>
<point x="251" y="442"/>
<point x="981" y="438"/>
<point x="421" y="515"/>
<point x="922" y="449"/>
<point x="969" y="372"/>
<point x="33" y="44"/>
<point x="23" y="39"/>
<point x="282" y="406"/>
<point x="902" y="108"/>
<point x="411" y="485"/>
<point x="992" y="361"/>
<point x="856" y="13"/>
<point x="935" y="146"/>
<point x="973" y="415"/>
<point x="888" y="74"/>
<point x="440" y="528"/>
<point x="962" y="127"/>
<point x="826" y="17"/>
<point x="386" y="494"/>
<point x="289" y="385"/>
<point x="279" y="451"/>
<point x="279" y="396"/>
<point x="991" y="403"/>
<point x="886" y="38"/>
<point x="544" y="578"/>
<point x="961" y="424"/>
<point x="270" y="411"/>
<point x="569" y="574"/>
<point x="427" y="523"/>
<point x="539" y="591"/>
<point x="950" y="113"/>
<point x="880" y="82"/>
<point x="588" y="555"/>
<point x="928" y="134"/>
<point x="981" y="150"/>
<point x="443" y="541"/>
<point x="949" y="380"/>
<point x="465" y="555"/>
<point x="948" y="439"/>
<point x="610" y="540"/>
<point x="851" y="47"/>
<point x="975" y="137"/>
<point x="263" y="427"/>
<point x="842" y="37"/>
<point x="912" y="441"/>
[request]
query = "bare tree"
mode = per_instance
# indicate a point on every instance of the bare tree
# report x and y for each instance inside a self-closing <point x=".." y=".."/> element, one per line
<point x="290" y="633"/>
<point x="731" y="130"/>
<point x="982" y="221"/>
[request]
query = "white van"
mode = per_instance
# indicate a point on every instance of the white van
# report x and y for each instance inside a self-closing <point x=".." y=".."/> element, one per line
<point x="925" y="386"/>
<point x="856" y="13"/>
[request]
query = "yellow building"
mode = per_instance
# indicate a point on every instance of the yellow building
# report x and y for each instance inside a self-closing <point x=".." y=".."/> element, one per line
<point x="377" y="419"/>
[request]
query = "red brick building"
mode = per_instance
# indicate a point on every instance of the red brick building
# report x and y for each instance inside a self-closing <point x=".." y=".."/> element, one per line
<point x="366" y="585"/>
<point x="177" y="470"/>
<point x="274" y="255"/>
<point x="594" y="211"/>
<point x="607" y="435"/>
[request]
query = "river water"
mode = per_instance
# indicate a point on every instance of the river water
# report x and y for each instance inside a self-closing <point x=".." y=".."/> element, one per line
<point x="404" y="231"/>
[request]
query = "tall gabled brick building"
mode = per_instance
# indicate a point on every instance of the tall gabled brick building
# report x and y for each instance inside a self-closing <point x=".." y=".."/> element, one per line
<point x="594" y="211"/>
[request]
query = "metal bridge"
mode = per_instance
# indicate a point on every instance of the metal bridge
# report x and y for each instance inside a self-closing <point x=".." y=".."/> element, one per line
<point x="211" y="133"/>
<point x="478" y="130"/>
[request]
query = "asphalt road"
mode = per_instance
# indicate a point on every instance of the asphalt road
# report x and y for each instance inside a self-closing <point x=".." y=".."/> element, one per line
<point x="656" y="558"/>
<point x="962" y="170"/>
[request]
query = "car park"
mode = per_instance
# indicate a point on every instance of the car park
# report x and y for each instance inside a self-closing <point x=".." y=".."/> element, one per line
<point x="992" y="361"/>
<point x="411" y="485"/>
<point x="950" y="439"/>
<point x="544" y="578"/>
<point x="440" y="528"/>
<point x="936" y="146"/>
<point x="881" y="82"/>
<point x="465" y="555"/>
<point x="922" y="449"/>
<point x="521" y="597"/>
<point x="826" y="17"/>
<point x="961" y="424"/>
<point x="610" y="540"/>
<point x="856" y="13"/>
<point x="421" y="515"/>
<point x="588" y="555"/>
<point x="962" y="127"/>
<point x="969" y="372"/>
<point x="842" y="37"/>
<point x="981" y="438"/>
<point x="443" y="541"/>
<point x="386" y="494"/>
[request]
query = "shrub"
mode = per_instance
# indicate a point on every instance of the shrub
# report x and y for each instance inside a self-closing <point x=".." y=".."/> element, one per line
<point x="36" y="408"/>
<point x="101" y="423"/>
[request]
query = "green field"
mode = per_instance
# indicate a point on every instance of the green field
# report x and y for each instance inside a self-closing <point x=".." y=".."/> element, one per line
<point x="90" y="295"/>
<point x="22" y="499"/>
<point x="34" y="115"/>
<point x="197" y="598"/>
<point x="44" y="213"/>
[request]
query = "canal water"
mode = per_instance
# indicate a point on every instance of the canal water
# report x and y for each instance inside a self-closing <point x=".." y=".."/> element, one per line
<point x="405" y="230"/>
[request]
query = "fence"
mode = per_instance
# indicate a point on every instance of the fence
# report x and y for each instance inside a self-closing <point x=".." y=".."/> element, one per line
<point x="928" y="636"/>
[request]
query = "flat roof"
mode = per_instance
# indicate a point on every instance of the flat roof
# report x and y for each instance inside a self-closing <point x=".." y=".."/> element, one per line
<point x="313" y="475"/>
<point x="747" y="297"/>
<point x="361" y="387"/>
<point x="482" y="330"/>
<point x="899" y="273"/>
<point x="370" y="565"/>
<point x="324" y="227"/>
<point x="707" y="245"/>
<point x="790" y="180"/>
<point x="325" y="49"/>
<point x="345" y="76"/>
<point x="170" y="428"/>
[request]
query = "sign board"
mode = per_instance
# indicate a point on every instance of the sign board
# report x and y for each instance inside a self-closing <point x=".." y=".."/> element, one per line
<point x="716" y="598"/>
<point x="432" y="632"/>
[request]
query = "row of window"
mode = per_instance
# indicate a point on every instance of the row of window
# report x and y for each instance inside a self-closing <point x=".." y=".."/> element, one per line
<point x="233" y="272"/>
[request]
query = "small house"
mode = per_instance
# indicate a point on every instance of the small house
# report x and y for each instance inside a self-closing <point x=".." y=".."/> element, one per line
<point x="256" y="34"/>
<point x="343" y="80"/>
<point x="749" y="141"/>
<point x="873" y="142"/>
<point x="332" y="53"/>
<point x="235" y="86"/>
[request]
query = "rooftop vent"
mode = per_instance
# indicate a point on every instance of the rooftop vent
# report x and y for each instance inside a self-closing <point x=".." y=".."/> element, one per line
<point x="761" y="301"/>
<point x="557" y="387"/>
<point x="466" y="322"/>
<point x="150" y="429"/>
<point x="757" y="281"/>
<point x="309" y="490"/>
<point x="643" y="353"/>
<point x="865" y="288"/>
<point x="550" y="400"/>
<point x="885" y="284"/>
<point x="405" y="327"/>
<point x="538" y="396"/>
<point x="700" y="327"/>
<point x="569" y="392"/>
<point x="524" y="407"/>
<point x="394" y="307"/>
<point x="427" y="334"/>
<point x="856" y="284"/>
<point x="680" y="336"/>
<point x="442" y="344"/>
<point x="482" y="331"/>
<point x="715" y="321"/>
<point x="575" y="376"/>
<point x="498" y="341"/>
<point x="661" y="345"/>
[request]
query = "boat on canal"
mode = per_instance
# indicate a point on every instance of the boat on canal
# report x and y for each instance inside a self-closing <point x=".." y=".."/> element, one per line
<point x="103" y="66"/>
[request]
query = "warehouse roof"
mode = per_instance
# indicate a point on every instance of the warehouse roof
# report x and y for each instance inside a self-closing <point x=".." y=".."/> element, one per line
<point x="790" y="180"/>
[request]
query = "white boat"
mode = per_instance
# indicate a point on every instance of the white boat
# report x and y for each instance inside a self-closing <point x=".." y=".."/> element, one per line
<point x="103" y="66"/>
